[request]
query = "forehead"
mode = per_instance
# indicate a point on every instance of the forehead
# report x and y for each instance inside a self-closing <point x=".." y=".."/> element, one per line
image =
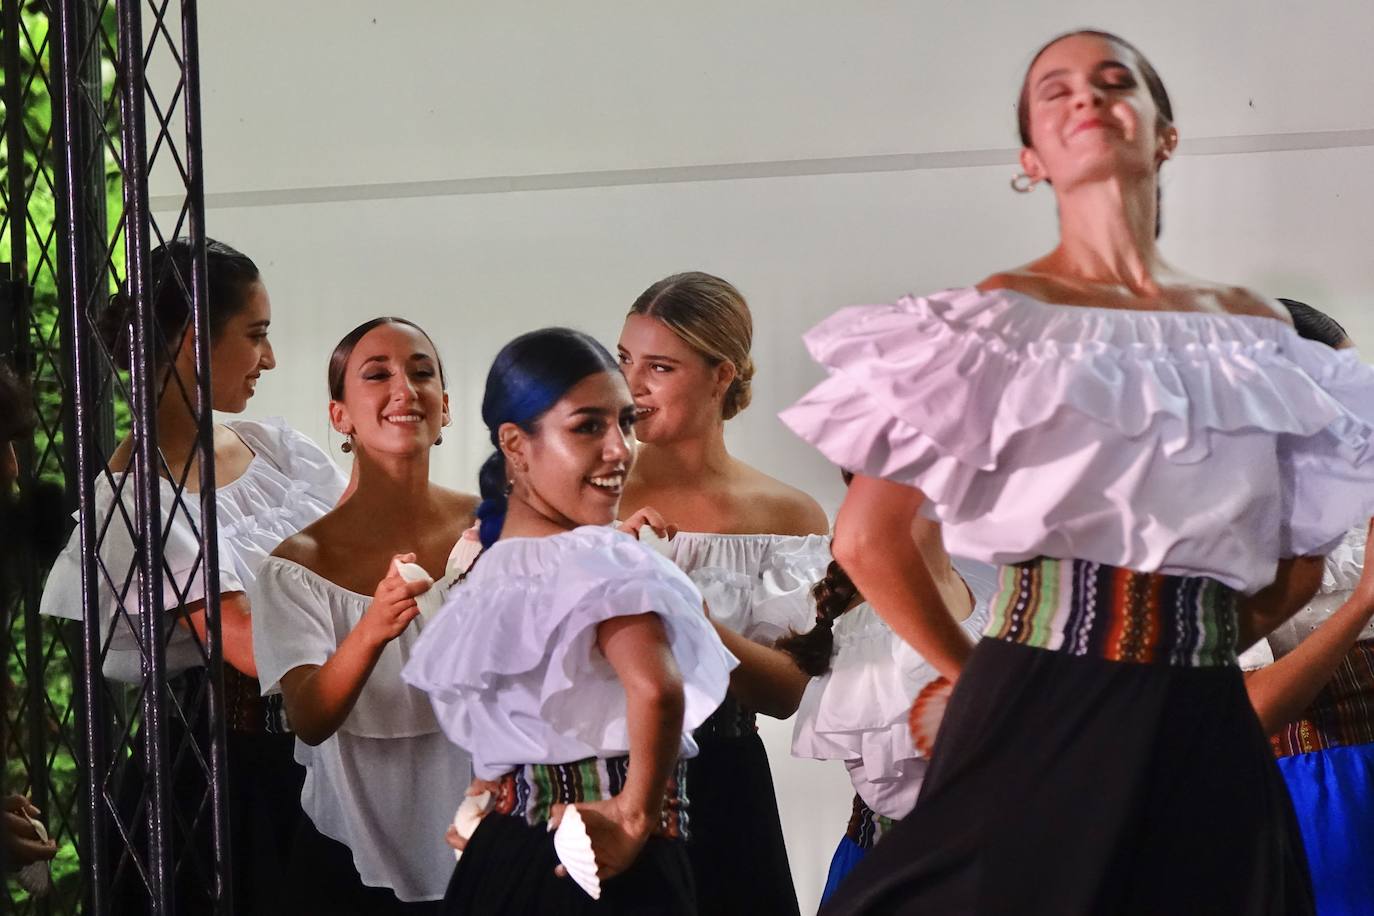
<point x="393" y="341"/>
<point x="1075" y="52"/>
<point x="643" y="334"/>
<point x="256" y="305"/>
<point x="603" y="390"/>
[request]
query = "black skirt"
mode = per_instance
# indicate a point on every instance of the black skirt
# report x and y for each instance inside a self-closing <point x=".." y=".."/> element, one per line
<point x="735" y="844"/>
<point x="263" y="799"/>
<point x="321" y="878"/>
<point x="1070" y="785"/>
<point x="507" y="870"/>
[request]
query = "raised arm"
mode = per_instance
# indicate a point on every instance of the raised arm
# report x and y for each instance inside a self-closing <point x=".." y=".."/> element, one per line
<point x="767" y="679"/>
<point x="320" y="697"/>
<point x="1281" y="691"/>
<point x="873" y="542"/>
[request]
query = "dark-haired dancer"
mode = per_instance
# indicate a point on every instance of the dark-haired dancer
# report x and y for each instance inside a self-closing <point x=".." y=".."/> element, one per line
<point x="334" y="622"/>
<point x="753" y="545"/>
<point x="1317" y="702"/>
<point x="21" y="844"/>
<point x="858" y="707"/>
<point x="1158" y="463"/>
<point x="572" y="658"/>
<point x="270" y="481"/>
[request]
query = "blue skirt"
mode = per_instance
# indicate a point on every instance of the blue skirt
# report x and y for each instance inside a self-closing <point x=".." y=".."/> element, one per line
<point x="1333" y="794"/>
<point x="846" y="856"/>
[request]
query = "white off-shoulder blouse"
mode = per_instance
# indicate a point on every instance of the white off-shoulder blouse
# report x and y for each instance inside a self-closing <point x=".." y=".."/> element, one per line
<point x="510" y="663"/>
<point x="387" y="782"/>
<point x="289" y="483"/>
<point x="858" y="711"/>
<point x="758" y="585"/>
<point x="1184" y="443"/>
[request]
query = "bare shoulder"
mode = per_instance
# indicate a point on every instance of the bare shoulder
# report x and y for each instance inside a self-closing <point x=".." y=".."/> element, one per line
<point x="1017" y="279"/>
<point x="460" y="504"/>
<point x="780" y="508"/>
<point x="1238" y="300"/>
<point x="306" y="547"/>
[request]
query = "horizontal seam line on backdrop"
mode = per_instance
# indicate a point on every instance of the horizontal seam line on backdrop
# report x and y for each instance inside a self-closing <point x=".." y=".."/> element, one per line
<point x="733" y="171"/>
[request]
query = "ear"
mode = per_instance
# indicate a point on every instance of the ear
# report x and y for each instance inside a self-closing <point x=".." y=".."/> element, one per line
<point x="1031" y="164"/>
<point x="183" y="358"/>
<point x="448" y="417"/>
<point x="338" y="418"/>
<point x="514" y="444"/>
<point x="725" y="373"/>
<point x="1168" y="144"/>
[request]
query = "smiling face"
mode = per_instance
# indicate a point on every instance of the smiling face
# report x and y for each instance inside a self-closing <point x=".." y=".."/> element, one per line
<point x="393" y="398"/>
<point x="677" y="392"/>
<point x="240" y="351"/>
<point x="1091" y="115"/>
<point x="571" y="468"/>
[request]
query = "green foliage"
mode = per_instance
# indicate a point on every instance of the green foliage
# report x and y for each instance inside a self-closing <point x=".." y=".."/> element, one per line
<point x="34" y="218"/>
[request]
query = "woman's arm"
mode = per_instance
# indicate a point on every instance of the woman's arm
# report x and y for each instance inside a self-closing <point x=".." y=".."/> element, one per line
<point x="320" y="697"/>
<point x="1281" y="691"/>
<point x="1295" y="582"/>
<point x="637" y="649"/>
<point x="766" y="680"/>
<point x="873" y="543"/>
<point x="235" y="628"/>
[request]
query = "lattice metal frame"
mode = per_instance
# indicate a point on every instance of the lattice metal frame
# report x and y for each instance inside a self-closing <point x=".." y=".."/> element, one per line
<point x="151" y="814"/>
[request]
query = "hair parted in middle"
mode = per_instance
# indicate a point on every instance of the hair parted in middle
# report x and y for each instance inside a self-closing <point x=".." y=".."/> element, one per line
<point x="711" y="316"/>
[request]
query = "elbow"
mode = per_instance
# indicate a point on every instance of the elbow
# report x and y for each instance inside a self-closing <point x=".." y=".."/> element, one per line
<point x="662" y="698"/>
<point x="851" y="546"/>
<point x="312" y="737"/>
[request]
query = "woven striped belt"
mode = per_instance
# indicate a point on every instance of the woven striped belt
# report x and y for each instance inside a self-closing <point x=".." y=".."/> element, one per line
<point x="531" y="791"/>
<point x="1083" y="608"/>
<point x="246" y="711"/>
<point x="730" y="720"/>
<point x="1342" y="715"/>
<point x="866" y="826"/>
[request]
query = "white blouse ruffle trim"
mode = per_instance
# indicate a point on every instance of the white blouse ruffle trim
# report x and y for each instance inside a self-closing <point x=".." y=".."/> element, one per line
<point x="979" y="399"/>
<point x="510" y="663"/>
<point x="858" y="711"/>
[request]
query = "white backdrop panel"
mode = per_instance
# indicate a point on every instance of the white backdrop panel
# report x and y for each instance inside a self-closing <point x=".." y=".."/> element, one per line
<point x="342" y="92"/>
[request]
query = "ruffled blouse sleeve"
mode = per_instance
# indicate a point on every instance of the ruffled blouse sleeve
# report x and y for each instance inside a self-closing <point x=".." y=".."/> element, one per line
<point x="512" y="655"/>
<point x="1017" y="419"/>
<point x="292" y="624"/>
<point x="858" y="711"/>
<point x="183" y="576"/>
<point x="782" y="599"/>
<point x="300" y="618"/>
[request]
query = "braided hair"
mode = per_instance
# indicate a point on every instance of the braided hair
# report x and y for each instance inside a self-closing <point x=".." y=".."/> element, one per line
<point x="1314" y="324"/>
<point x="835" y="594"/>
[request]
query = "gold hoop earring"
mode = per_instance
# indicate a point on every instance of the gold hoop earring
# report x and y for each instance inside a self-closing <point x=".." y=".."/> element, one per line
<point x="1022" y="183"/>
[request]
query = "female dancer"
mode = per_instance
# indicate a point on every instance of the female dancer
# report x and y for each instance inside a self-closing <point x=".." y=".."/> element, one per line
<point x="1317" y="702"/>
<point x="334" y="622"/>
<point x="753" y="545"/>
<point x="21" y="843"/>
<point x="573" y="657"/>
<point x="865" y="678"/>
<point x="270" y="481"/>
<point x="1081" y="421"/>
